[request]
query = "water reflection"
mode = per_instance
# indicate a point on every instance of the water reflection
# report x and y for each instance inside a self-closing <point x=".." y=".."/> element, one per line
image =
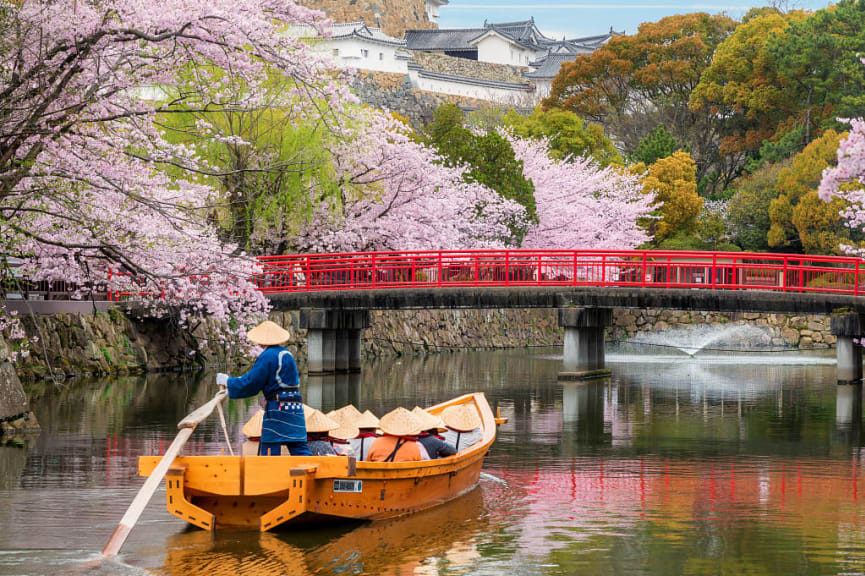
<point x="416" y="544"/>
<point x="728" y="464"/>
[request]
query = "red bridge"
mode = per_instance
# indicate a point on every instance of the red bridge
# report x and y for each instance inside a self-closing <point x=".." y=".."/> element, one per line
<point x="506" y="268"/>
<point x="334" y="292"/>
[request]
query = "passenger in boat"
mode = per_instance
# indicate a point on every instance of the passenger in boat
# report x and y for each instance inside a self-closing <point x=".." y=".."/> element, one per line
<point x="435" y="445"/>
<point x="463" y="426"/>
<point x="399" y="442"/>
<point x="367" y="424"/>
<point x="275" y="375"/>
<point x="318" y="426"/>
<point x="340" y="437"/>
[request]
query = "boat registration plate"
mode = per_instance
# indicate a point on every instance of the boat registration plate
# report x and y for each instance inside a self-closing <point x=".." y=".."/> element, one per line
<point x="348" y="485"/>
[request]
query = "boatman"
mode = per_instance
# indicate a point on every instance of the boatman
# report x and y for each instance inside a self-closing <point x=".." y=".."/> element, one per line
<point x="275" y="375"/>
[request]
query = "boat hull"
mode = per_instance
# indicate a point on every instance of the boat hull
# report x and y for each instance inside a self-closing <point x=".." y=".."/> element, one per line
<point x="263" y="492"/>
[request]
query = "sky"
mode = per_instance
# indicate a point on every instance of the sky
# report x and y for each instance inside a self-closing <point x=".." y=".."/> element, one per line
<point x="576" y="18"/>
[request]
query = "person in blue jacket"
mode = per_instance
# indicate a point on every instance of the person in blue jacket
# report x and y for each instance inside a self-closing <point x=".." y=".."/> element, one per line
<point x="275" y="375"/>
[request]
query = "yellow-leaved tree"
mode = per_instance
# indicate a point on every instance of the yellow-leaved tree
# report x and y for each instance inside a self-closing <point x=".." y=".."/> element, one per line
<point x="673" y="180"/>
<point x="799" y="219"/>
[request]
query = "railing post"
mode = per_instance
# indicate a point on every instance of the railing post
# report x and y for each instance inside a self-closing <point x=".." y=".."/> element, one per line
<point x="440" y="279"/>
<point x="856" y="281"/>
<point x="374" y="272"/>
<point x="413" y="271"/>
<point x="784" y="276"/>
<point x="643" y="275"/>
<point x="575" y="268"/>
<point x="540" y="268"/>
<point x="604" y="270"/>
<point x="714" y="270"/>
<point x="477" y="274"/>
<point x="507" y="267"/>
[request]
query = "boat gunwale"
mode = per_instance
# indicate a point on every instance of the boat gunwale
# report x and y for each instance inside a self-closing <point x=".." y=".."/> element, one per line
<point x="404" y="469"/>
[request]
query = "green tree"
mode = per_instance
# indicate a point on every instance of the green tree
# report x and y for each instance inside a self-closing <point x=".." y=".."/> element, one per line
<point x="634" y="83"/>
<point x="568" y="134"/>
<point x="744" y="86"/>
<point x="490" y="157"/>
<point x="814" y="227"/>
<point x="818" y="58"/>
<point x="656" y="145"/>
<point x="748" y="219"/>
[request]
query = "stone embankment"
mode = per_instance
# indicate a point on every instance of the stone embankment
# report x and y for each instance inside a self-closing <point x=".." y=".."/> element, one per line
<point x="777" y="330"/>
<point x="15" y="415"/>
<point x="394" y="92"/>
<point x="112" y="342"/>
<point x="393" y="16"/>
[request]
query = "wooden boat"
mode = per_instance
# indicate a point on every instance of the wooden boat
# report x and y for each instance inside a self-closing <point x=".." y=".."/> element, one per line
<point x="263" y="492"/>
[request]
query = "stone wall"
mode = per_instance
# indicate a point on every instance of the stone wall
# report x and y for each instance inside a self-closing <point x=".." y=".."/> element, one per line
<point x="15" y="415"/>
<point x="469" y="68"/>
<point x="393" y="16"/>
<point x="111" y="342"/>
<point x="778" y="330"/>
<point x="394" y="92"/>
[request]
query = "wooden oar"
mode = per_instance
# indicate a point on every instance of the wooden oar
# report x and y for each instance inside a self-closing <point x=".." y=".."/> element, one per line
<point x="187" y="427"/>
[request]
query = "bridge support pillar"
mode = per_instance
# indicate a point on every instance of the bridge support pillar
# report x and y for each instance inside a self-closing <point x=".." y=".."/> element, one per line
<point x="333" y="339"/>
<point x="848" y="328"/>
<point x="584" y="351"/>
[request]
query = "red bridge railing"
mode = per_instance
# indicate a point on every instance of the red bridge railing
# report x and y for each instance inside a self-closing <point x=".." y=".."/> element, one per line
<point x="634" y="268"/>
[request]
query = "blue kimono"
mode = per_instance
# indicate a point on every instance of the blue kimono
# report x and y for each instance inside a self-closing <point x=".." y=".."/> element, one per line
<point x="275" y="375"/>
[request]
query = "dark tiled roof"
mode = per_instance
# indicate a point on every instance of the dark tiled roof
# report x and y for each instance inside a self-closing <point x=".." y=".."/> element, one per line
<point x="467" y="80"/>
<point x="550" y="65"/>
<point x="453" y="39"/>
<point x="361" y="30"/>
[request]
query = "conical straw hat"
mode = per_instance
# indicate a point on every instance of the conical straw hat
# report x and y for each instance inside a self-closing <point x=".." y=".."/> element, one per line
<point x="268" y="334"/>
<point x="346" y="431"/>
<point x="429" y="421"/>
<point x="307" y="411"/>
<point x="252" y="429"/>
<point x="348" y="413"/>
<point x="367" y="420"/>
<point x="462" y="418"/>
<point x="318" y="422"/>
<point x="400" y="422"/>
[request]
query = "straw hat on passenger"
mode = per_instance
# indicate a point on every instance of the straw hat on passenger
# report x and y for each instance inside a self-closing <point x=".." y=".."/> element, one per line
<point x="317" y="422"/>
<point x="252" y="429"/>
<point x="348" y="413"/>
<point x="268" y="334"/>
<point x="429" y="421"/>
<point x="400" y="422"/>
<point x="367" y="420"/>
<point x="462" y="418"/>
<point x="346" y="431"/>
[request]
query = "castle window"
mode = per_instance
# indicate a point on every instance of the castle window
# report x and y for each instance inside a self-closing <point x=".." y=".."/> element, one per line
<point x="381" y="55"/>
<point x="336" y="52"/>
<point x="365" y="53"/>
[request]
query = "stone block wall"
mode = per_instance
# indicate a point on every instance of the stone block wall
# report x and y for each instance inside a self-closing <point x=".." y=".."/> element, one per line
<point x="469" y="68"/>
<point x="394" y="92"/>
<point x="778" y="330"/>
<point x="394" y="17"/>
<point x="112" y="342"/>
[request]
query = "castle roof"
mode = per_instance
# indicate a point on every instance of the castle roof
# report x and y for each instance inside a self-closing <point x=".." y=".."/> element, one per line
<point x="362" y="31"/>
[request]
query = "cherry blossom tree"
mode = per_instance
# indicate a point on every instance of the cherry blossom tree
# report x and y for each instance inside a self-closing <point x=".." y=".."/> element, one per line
<point x="579" y="204"/>
<point x="847" y="179"/>
<point x="396" y="194"/>
<point x="91" y="191"/>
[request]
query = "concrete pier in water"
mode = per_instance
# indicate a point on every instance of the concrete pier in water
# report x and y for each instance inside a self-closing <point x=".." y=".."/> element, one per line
<point x="333" y="339"/>
<point x="584" y="353"/>
<point x="848" y="328"/>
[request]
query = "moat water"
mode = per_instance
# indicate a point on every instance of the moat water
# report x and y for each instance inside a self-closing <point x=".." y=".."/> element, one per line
<point x="718" y="464"/>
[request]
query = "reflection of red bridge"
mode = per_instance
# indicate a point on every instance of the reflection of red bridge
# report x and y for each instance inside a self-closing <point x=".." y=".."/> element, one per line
<point x="599" y="495"/>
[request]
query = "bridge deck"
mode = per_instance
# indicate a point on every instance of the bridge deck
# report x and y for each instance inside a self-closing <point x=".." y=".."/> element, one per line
<point x="770" y="301"/>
